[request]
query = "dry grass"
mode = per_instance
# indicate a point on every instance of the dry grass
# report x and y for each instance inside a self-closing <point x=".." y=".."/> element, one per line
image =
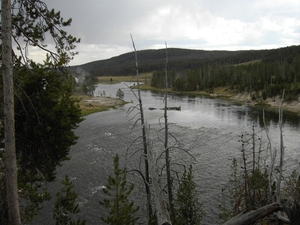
<point x="250" y="62"/>
<point x="89" y="104"/>
<point x="222" y="91"/>
<point x="144" y="77"/>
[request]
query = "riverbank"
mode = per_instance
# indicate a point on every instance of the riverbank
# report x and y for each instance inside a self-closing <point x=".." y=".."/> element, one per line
<point x="240" y="98"/>
<point x="245" y="98"/>
<point x="90" y="104"/>
<point x="220" y="92"/>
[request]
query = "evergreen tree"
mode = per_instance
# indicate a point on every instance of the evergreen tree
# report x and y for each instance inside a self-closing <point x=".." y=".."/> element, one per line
<point x="45" y="122"/>
<point x="122" y="210"/>
<point x="65" y="205"/>
<point x="188" y="209"/>
<point x="26" y="23"/>
<point x="120" y="94"/>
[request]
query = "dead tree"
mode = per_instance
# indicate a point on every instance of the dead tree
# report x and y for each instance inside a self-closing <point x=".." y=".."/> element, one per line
<point x="246" y="218"/>
<point x="278" y="195"/>
<point x="272" y="158"/>
<point x="162" y="214"/>
<point x="167" y="152"/>
<point x="144" y="137"/>
<point x="9" y="112"/>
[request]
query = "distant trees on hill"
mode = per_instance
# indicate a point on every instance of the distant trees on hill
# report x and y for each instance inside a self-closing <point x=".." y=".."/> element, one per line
<point x="263" y="78"/>
<point x="182" y="59"/>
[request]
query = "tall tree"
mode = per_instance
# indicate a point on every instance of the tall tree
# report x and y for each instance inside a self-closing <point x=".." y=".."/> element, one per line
<point x="26" y="22"/>
<point x="32" y="22"/>
<point x="65" y="205"/>
<point x="122" y="210"/>
<point x="45" y="109"/>
<point x="9" y="122"/>
<point x="144" y="137"/>
<point x="188" y="209"/>
<point x="167" y="152"/>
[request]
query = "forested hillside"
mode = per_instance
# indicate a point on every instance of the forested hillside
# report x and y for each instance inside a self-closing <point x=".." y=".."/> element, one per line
<point x="262" y="73"/>
<point x="181" y="59"/>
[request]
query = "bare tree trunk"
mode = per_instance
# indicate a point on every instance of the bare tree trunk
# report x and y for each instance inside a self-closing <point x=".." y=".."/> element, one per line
<point x="162" y="214"/>
<point x="252" y="198"/>
<point x="254" y="215"/>
<point x="168" y="167"/>
<point x="9" y="112"/>
<point x="245" y="175"/>
<point x="272" y="156"/>
<point x="253" y="147"/>
<point x="147" y="177"/>
<point x="278" y="195"/>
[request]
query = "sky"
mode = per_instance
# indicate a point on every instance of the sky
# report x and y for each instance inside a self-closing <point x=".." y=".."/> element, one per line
<point x="104" y="26"/>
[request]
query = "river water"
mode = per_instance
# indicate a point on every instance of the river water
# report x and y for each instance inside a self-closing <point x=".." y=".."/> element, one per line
<point x="205" y="133"/>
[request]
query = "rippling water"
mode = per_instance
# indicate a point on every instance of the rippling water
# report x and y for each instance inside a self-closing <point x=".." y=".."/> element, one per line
<point x="208" y="129"/>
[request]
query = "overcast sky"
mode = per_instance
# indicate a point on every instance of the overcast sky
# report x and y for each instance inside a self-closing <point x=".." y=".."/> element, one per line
<point x="104" y="26"/>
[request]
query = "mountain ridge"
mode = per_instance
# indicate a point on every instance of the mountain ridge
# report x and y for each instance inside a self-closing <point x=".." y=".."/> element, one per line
<point x="179" y="59"/>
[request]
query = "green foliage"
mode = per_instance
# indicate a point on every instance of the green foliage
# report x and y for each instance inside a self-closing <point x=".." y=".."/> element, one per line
<point x="292" y="197"/>
<point x="292" y="188"/>
<point x="231" y="196"/>
<point x="188" y="209"/>
<point x="159" y="80"/>
<point x="249" y="186"/>
<point x="179" y="84"/>
<point x="265" y="78"/>
<point x="46" y="119"/>
<point x="88" y="84"/>
<point x="32" y="20"/>
<point x="121" y="209"/>
<point x="65" y="205"/>
<point x="32" y="195"/>
<point x="186" y="59"/>
<point x="45" y="114"/>
<point x="120" y="94"/>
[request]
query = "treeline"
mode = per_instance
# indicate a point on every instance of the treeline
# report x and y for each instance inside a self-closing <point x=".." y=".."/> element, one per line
<point x="150" y="60"/>
<point x="264" y="78"/>
<point x="181" y="59"/>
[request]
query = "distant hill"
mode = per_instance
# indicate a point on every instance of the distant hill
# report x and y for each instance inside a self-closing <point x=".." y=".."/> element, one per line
<point x="180" y="59"/>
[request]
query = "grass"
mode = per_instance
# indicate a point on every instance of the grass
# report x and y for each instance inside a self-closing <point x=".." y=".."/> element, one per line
<point x="92" y="107"/>
<point x="144" y="77"/>
<point x="250" y="62"/>
<point x="86" y="111"/>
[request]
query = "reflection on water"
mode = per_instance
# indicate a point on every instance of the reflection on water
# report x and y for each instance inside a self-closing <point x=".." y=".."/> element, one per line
<point x="200" y="108"/>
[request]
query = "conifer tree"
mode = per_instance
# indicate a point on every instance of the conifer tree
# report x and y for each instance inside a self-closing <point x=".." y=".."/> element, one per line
<point x="120" y="94"/>
<point x="65" y="205"/>
<point x="188" y="209"/>
<point x="122" y="210"/>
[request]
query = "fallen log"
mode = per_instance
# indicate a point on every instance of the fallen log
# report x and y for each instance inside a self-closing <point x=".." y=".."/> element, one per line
<point x="246" y="218"/>
<point x="178" y="108"/>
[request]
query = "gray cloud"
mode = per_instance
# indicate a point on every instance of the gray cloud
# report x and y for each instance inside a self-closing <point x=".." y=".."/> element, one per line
<point x="104" y="26"/>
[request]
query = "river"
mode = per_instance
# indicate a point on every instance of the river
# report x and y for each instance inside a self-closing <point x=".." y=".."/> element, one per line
<point x="208" y="129"/>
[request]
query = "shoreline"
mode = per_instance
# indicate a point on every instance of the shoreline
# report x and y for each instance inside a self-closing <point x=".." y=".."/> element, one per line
<point x="245" y="98"/>
<point x="91" y="104"/>
<point x="239" y="98"/>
